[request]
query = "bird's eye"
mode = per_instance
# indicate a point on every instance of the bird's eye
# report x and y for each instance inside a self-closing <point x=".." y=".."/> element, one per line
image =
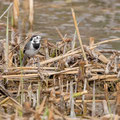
<point x="38" y="37"/>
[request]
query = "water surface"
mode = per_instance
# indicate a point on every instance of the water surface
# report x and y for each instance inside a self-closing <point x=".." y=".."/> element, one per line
<point x="98" y="18"/>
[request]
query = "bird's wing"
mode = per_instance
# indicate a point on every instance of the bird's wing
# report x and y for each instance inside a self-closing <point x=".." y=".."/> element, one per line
<point x="27" y="46"/>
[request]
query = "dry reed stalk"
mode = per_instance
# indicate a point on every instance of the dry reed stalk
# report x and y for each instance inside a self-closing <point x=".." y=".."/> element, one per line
<point x="41" y="107"/>
<point x="31" y="13"/>
<point x="51" y="114"/>
<point x="107" y="97"/>
<point x="60" y="114"/>
<point x="47" y="73"/>
<point x="46" y="49"/>
<point x="10" y="101"/>
<point x="82" y="49"/>
<point x="18" y="44"/>
<point x="73" y="41"/>
<point x="25" y="5"/>
<point x="110" y="117"/>
<point x="93" y="104"/>
<point x="118" y="99"/>
<point x="59" y="33"/>
<point x="48" y="90"/>
<point x="109" y="51"/>
<point x="10" y="58"/>
<point x="79" y="37"/>
<point x="15" y="12"/>
<point x="105" y="107"/>
<point x="105" y="41"/>
<point x="97" y="101"/>
<point x="37" y="74"/>
<point x="106" y="92"/>
<point x="65" y="48"/>
<point x="67" y="96"/>
<point x="116" y="117"/>
<point x="99" y="43"/>
<point x="111" y="79"/>
<point x="32" y="68"/>
<point x="91" y="42"/>
<point x="72" y="52"/>
<point x="72" y="111"/>
<point x="59" y="57"/>
<point x="11" y="4"/>
<point x="25" y="17"/>
<point x="4" y="91"/>
<point x="6" y="44"/>
<point x="99" y="77"/>
<point x="19" y="76"/>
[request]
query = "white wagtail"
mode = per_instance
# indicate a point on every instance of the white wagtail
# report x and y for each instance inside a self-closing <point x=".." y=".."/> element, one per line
<point x="31" y="48"/>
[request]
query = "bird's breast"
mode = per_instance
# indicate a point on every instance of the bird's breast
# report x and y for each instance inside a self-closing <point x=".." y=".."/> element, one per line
<point x="31" y="52"/>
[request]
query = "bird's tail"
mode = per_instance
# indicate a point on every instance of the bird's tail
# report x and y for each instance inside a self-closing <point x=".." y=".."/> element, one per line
<point x="24" y="61"/>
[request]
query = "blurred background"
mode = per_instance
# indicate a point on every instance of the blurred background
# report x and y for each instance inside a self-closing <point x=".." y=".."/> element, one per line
<point x="97" y="18"/>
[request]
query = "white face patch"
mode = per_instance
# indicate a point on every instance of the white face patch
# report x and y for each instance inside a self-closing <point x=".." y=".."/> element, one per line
<point x="36" y="39"/>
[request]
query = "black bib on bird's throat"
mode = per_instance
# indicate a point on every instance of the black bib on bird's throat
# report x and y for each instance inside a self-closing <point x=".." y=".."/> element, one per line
<point x="36" y="46"/>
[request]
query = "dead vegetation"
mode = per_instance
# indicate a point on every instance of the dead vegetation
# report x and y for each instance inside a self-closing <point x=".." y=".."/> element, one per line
<point x="64" y="83"/>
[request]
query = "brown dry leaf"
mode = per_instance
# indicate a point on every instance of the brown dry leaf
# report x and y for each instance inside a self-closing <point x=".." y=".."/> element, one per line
<point x="28" y="111"/>
<point x="101" y="57"/>
<point x="51" y="115"/>
<point x="67" y="40"/>
<point x="26" y="106"/>
<point x="40" y="109"/>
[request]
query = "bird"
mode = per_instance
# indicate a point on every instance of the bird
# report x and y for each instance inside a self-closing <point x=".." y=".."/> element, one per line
<point x="31" y="48"/>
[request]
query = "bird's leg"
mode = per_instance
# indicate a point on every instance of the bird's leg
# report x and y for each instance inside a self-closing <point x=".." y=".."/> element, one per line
<point x="34" y="61"/>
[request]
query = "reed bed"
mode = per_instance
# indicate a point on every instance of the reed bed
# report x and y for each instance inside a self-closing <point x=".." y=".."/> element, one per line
<point x="64" y="83"/>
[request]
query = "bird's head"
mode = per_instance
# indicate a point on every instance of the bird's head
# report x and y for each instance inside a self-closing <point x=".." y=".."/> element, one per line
<point x="35" y="39"/>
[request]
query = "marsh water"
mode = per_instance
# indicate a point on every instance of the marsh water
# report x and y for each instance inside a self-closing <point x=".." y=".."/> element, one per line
<point x="97" y="18"/>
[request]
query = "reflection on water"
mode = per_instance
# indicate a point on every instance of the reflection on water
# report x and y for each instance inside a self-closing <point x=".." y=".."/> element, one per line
<point x="98" y="18"/>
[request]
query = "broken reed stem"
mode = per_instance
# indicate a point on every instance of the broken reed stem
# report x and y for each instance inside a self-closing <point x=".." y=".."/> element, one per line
<point x="72" y="111"/>
<point x="79" y="37"/>
<point x="31" y="13"/>
<point x="82" y="49"/>
<point x="46" y="49"/>
<point x="93" y="104"/>
<point x="7" y="43"/>
<point x="74" y="39"/>
<point x="21" y="80"/>
<point x="15" y="13"/>
<point x="6" y="10"/>
<point x="59" y="33"/>
<point x="102" y="42"/>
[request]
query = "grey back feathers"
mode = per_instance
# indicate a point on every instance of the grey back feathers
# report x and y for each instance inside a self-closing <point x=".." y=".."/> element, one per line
<point x="32" y="47"/>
